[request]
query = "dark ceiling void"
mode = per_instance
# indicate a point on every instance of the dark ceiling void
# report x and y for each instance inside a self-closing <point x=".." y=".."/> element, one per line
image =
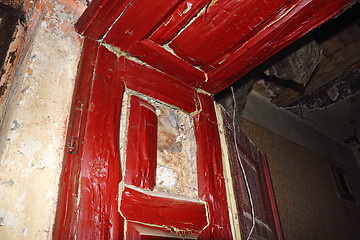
<point x="10" y="18"/>
<point x="339" y="42"/>
<point x="316" y="78"/>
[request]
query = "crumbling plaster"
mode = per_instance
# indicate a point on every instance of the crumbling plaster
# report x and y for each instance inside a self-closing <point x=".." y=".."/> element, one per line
<point x="261" y="112"/>
<point x="32" y="155"/>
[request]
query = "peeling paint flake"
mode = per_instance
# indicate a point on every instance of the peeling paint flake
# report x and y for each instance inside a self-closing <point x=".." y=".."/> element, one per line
<point x="188" y="7"/>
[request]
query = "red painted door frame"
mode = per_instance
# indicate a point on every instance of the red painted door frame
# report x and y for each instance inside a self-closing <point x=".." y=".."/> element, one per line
<point x="88" y="196"/>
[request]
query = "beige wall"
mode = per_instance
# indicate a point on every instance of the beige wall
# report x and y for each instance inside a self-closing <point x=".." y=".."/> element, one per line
<point x="308" y="203"/>
<point x="36" y="121"/>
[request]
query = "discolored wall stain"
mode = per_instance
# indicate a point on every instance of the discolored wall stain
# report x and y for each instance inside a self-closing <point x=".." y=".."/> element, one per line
<point x="176" y="171"/>
<point x="176" y="152"/>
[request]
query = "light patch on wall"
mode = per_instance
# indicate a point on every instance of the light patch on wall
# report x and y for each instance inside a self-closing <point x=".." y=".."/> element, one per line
<point x="8" y="219"/>
<point x="19" y="206"/>
<point x="48" y="157"/>
<point x="166" y="177"/>
<point x="2" y="192"/>
<point x="28" y="150"/>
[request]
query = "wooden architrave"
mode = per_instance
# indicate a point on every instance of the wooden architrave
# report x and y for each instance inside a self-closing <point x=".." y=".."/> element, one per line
<point x="88" y="198"/>
<point x="212" y="187"/>
<point x="159" y="210"/>
<point x="88" y="195"/>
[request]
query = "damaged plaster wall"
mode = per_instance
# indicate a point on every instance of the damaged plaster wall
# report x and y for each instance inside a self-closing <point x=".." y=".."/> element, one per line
<point x="260" y="111"/>
<point x="28" y="13"/>
<point x="36" y="119"/>
<point x="308" y="202"/>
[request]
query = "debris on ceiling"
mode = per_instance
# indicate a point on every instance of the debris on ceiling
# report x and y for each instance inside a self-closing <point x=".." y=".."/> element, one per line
<point x="316" y="78"/>
<point x="300" y="64"/>
<point x="329" y="99"/>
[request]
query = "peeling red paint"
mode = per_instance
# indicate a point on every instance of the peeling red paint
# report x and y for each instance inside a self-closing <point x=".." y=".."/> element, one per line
<point x="67" y="209"/>
<point x="175" y="22"/>
<point x="140" y="166"/>
<point x="137" y="231"/>
<point x="210" y="170"/>
<point x="149" y="208"/>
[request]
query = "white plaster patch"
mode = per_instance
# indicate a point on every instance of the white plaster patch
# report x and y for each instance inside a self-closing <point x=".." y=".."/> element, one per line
<point x="28" y="149"/>
<point x="48" y="157"/>
<point x="48" y="194"/>
<point x="8" y="219"/>
<point x="166" y="177"/>
<point x="2" y="192"/>
<point x="188" y="7"/>
<point x="19" y="206"/>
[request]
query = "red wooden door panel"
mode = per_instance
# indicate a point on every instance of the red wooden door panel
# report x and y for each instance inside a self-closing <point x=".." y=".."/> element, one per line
<point x="267" y="224"/>
<point x="156" y="209"/>
<point x="136" y="231"/>
<point x="140" y="167"/>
